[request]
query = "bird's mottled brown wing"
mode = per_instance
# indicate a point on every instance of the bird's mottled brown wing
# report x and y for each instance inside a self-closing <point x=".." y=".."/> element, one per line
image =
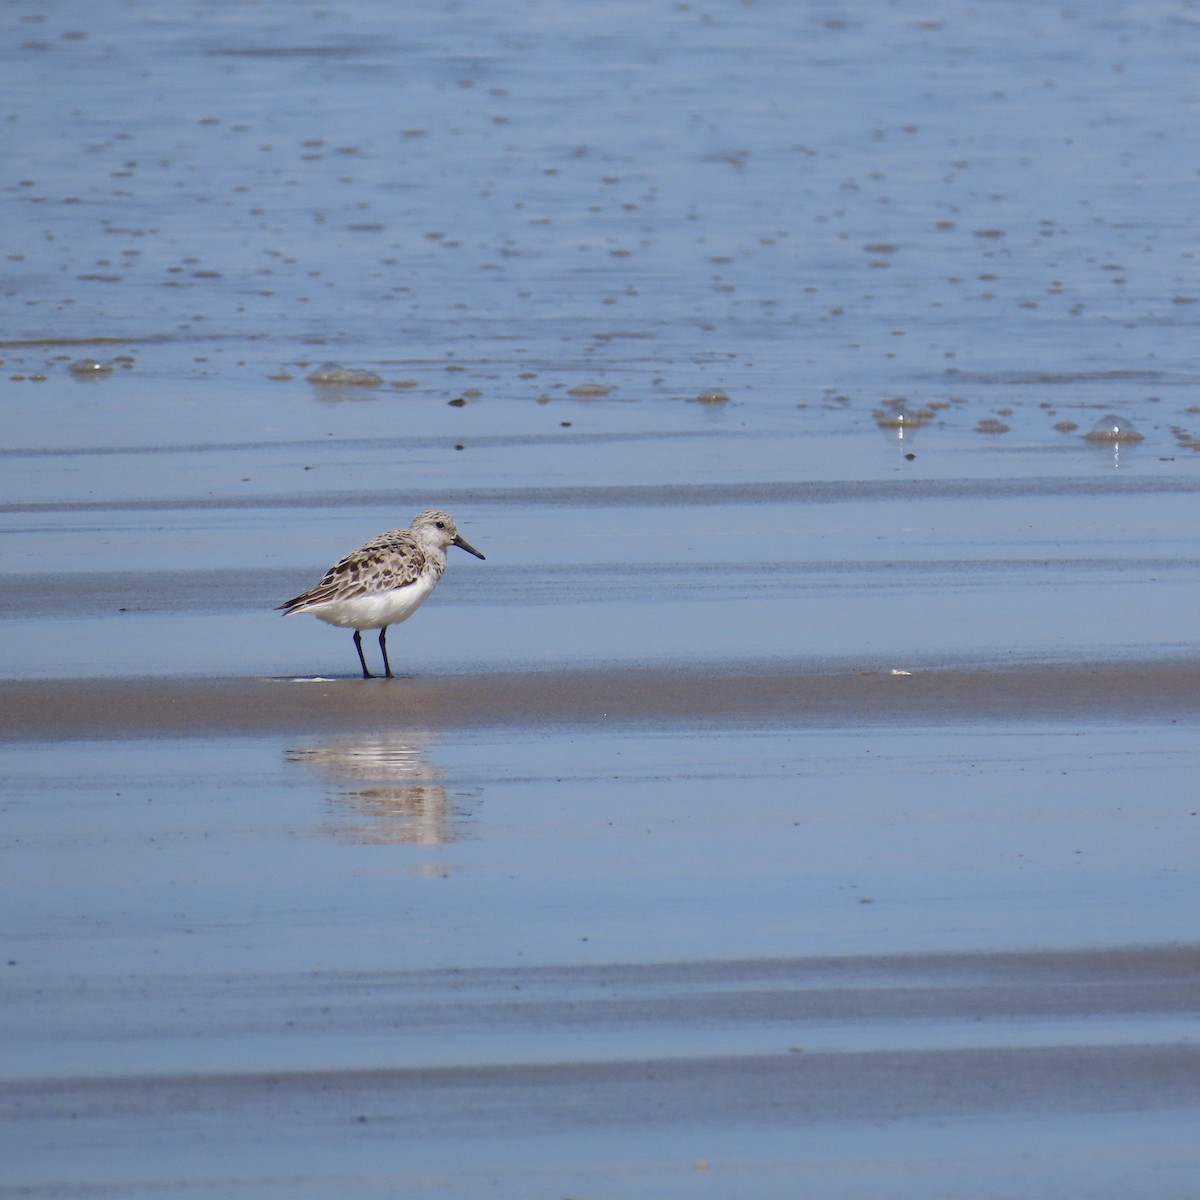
<point x="391" y="560"/>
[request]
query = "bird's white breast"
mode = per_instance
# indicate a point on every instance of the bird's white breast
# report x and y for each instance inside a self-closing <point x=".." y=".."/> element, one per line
<point x="377" y="609"/>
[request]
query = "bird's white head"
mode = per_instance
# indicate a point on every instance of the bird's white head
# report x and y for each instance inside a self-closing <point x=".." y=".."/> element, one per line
<point x="437" y="528"/>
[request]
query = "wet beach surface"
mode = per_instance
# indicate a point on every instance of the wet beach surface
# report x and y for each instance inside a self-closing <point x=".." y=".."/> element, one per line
<point x="799" y="800"/>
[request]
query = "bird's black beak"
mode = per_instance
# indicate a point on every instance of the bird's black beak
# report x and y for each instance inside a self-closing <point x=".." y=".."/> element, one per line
<point x="462" y="545"/>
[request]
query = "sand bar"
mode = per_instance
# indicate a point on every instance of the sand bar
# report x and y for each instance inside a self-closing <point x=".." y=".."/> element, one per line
<point x="131" y="707"/>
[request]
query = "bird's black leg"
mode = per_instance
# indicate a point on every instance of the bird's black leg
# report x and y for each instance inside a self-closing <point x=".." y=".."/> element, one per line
<point x="358" y="647"/>
<point x="387" y="666"/>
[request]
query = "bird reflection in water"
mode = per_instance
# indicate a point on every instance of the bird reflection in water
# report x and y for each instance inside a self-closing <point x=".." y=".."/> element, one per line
<point x="387" y="793"/>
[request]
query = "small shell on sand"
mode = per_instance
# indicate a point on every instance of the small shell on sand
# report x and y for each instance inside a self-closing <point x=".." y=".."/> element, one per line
<point x="87" y="368"/>
<point x="333" y="375"/>
<point x="1111" y="428"/>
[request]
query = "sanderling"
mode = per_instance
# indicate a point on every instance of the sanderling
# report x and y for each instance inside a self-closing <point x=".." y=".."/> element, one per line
<point x="383" y="582"/>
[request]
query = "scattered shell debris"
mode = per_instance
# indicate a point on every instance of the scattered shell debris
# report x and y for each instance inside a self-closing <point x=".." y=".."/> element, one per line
<point x="1112" y="428"/>
<point x="991" y="425"/>
<point x="589" y="391"/>
<point x="335" y="375"/>
<point x="711" y="396"/>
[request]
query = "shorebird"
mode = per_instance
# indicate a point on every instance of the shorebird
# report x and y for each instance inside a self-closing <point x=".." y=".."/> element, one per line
<point x="384" y="581"/>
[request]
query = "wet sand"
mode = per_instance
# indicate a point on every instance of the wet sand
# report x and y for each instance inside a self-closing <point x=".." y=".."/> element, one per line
<point x="124" y="707"/>
<point x="275" y="910"/>
<point x="653" y="876"/>
<point x="853" y="1066"/>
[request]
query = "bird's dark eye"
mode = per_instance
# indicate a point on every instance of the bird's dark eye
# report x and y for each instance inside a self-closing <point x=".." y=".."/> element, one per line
<point x="441" y="524"/>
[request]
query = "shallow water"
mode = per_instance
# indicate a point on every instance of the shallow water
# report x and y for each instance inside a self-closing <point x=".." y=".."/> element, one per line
<point x="584" y="846"/>
<point x="571" y="224"/>
<point x="805" y="195"/>
<point x="403" y="950"/>
<point x="899" y="574"/>
<point x="549" y="231"/>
